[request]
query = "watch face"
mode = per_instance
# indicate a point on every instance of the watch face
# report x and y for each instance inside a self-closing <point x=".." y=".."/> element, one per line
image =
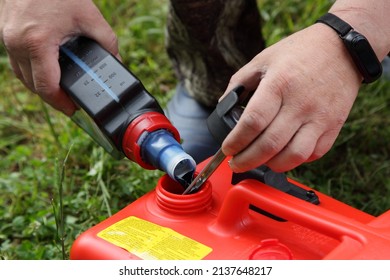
<point x="363" y="56"/>
<point x="360" y="43"/>
<point x="363" y="49"/>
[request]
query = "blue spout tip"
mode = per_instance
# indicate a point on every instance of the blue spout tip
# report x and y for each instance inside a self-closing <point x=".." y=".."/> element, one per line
<point x="161" y="150"/>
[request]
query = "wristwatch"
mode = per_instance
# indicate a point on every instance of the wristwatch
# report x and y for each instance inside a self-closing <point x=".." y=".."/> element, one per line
<point x="358" y="47"/>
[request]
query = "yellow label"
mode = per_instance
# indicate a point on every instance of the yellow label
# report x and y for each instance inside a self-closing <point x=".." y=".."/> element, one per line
<point x="150" y="241"/>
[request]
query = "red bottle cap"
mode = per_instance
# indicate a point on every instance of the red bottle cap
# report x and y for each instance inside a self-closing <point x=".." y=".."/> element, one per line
<point x="145" y="123"/>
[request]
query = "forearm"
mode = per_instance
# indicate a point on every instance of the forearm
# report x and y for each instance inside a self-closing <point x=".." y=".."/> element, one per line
<point x="369" y="17"/>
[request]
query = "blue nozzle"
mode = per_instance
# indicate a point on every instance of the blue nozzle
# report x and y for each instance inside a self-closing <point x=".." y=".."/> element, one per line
<point x="160" y="149"/>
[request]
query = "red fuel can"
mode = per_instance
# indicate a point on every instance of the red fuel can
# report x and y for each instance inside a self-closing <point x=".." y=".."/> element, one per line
<point x="248" y="219"/>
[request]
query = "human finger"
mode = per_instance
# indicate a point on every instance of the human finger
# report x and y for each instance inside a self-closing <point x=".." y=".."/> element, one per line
<point x="269" y="143"/>
<point x="261" y="109"/>
<point x="16" y="69"/>
<point x="46" y="78"/>
<point x="297" y="151"/>
<point x="25" y="75"/>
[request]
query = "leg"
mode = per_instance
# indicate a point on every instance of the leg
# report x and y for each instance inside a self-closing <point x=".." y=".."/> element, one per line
<point x="207" y="41"/>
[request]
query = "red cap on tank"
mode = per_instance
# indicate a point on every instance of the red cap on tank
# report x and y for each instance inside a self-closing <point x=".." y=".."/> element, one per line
<point x="271" y="249"/>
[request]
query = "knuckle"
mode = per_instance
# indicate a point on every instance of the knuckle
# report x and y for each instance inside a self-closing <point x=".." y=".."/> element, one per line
<point x="307" y="105"/>
<point x="319" y="151"/>
<point x="45" y="88"/>
<point x="10" y="38"/>
<point x="289" y="159"/>
<point x="30" y="38"/>
<point x="232" y="147"/>
<point x="317" y="154"/>
<point x="42" y="88"/>
<point x="300" y="155"/>
<point x="324" y="144"/>
<point x="285" y="83"/>
<point x="272" y="143"/>
<point x="35" y="41"/>
<point x="234" y="80"/>
<point x="113" y="41"/>
<point x="340" y="121"/>
<point x="253" y="121"/>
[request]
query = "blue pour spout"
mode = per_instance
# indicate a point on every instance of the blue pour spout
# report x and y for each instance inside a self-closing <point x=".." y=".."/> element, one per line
<point x="160" y="149"/>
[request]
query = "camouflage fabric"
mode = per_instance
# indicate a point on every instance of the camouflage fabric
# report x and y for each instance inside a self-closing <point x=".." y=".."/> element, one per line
<point x="209" y="40"/>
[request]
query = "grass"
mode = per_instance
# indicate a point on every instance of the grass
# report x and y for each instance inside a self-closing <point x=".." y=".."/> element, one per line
<point x="55" y="182"/>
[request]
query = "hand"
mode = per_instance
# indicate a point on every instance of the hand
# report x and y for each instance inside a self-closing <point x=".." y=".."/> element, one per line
<point x="32" y="32"/>
<point x="304" y="87"/>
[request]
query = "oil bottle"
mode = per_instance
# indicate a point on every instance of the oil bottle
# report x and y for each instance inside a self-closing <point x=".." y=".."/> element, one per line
<point x="117" y="111"/>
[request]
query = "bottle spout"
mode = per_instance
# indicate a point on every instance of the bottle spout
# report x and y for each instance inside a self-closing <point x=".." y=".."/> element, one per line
<point x="183" y="172"/>
<point x="160" y="149"/>
<point x="153" y="142"/>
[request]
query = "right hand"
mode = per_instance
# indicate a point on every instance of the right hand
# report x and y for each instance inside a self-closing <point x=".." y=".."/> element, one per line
<point x="303" y="88"/>
<point x="32" y="32"/>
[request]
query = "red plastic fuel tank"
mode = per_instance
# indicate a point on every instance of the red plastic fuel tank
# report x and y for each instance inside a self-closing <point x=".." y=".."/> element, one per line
<point x="245" y="220"/>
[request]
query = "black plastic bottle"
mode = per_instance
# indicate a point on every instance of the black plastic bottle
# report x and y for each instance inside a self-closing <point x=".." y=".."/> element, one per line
<point x="118" y="112"/>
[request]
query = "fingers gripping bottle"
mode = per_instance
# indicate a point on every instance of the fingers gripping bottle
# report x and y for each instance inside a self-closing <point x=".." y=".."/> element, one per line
<point x="118" y="112"/>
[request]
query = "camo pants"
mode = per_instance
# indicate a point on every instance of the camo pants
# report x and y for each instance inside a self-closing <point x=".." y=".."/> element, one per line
<point x="209" y="40"/>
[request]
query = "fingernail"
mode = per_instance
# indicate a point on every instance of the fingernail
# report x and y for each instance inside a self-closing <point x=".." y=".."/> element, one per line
<point x="230" y="164"/>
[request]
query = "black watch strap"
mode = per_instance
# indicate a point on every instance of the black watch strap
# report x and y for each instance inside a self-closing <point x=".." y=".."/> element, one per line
<point x="338" y="25"/>
<point x="358" y="47"/>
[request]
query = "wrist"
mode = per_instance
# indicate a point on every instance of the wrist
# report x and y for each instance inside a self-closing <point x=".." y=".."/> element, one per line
<point x="338" y="57"/>
<point x="357" y="45"/>
<point x="373" y="24"/>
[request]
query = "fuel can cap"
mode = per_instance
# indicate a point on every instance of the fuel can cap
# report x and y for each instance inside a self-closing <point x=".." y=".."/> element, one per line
<point x="271" y="249"/>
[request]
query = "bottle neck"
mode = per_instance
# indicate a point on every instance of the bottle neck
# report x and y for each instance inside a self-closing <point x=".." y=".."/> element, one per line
<point x="153" y="142"/>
